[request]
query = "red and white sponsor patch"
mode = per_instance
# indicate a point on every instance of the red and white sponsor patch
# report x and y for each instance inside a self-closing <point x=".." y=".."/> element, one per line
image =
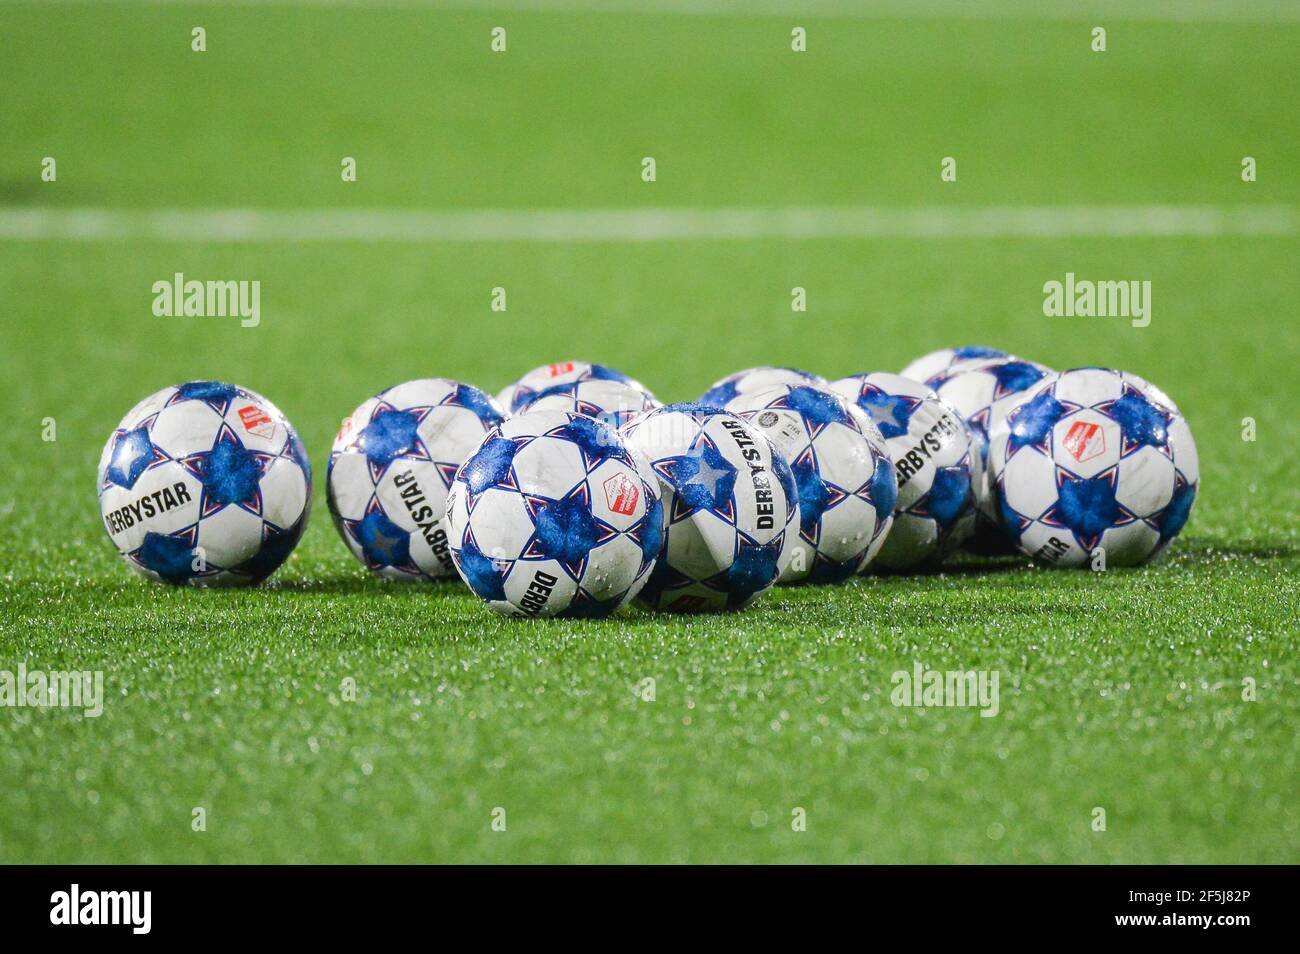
<point x="555" y="370"/>
<point x="1085" y="440"/>
<point x="621" y="494"/>
<point x="257" y="421"/>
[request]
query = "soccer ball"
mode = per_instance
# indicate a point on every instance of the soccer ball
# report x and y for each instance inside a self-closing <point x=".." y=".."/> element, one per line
<point x="204" y="484"/>
<point x="553" y="515"/>
<point x="756" y="379"/>
<point x="730" y="507"/>
<point x="514" y="396"/>
<point x="842" y="474"/>
<point x="613" y="402"/>
<point x="974" y="388"/>
<point x="939" y="363"/>
<point x="391" y="466"/>
<point x="1093" y="459"/>
<point x="934" y="458"/>
<point x="982" y="392"/>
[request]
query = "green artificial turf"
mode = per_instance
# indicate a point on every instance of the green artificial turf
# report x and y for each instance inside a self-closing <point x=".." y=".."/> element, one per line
<point x="1120" y="690"/>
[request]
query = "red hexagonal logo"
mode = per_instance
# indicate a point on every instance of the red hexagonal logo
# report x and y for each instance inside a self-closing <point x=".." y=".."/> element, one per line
<point x="621" y="494"/>
<point x="257" y="421"/>
<point x="1085" y="440"/>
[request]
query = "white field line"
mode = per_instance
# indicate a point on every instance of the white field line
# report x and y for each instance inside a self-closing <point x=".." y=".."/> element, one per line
<point x="643" y="225"/>
<point x="1189" y="11"/>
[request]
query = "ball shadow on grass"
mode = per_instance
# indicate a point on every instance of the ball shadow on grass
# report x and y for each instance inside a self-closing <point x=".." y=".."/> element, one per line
<point x="368" y="585"/>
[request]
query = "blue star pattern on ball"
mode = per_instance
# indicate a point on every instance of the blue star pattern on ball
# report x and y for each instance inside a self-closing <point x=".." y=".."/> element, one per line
<point x="933" y="367"/>
<point x="752" y="571"/>
<point x="889" y="412"/>
<point x="1142" y="423"/>
<point x="1086" y="507"/>
<point x="754" y="379"/>
<point x="1031" y="423"/>
<point x="697" y="411"/>
<point x="596" y="442"/>
<point x="277" y="544"/>
<point x="648" y="533"/>
<point x="491" y="465"/>
<point x="565" y="530"/>
<point x="816" y="495"/>
<point x="484" y="574"/>
<point x="383" y="542"/>
<point x="974" y="388"/>
<point x="213" y="393"/>
<point x="230" y="472"/>
<point x="605" y="373"/>
<point x="171" y="556"/>
<point x="296" y="452"/>
<point x="948" y="495"/>
<point x="132" y="454"/>
<point x="719" y="395"/>
<point x="1169" y="521"/>
<point x="586" y="606"/>
<point x="702" y="479"/>
<point x="882" y="492"/>
<point x="1014" y="376"/>
<point x="817" y="407"/>
<point x="474" y="400"/>
<point x="391" y="434"/>
<point x="230" y="475"/>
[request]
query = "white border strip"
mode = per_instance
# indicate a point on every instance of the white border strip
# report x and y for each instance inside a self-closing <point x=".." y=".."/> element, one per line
<point x="642" y="225"/>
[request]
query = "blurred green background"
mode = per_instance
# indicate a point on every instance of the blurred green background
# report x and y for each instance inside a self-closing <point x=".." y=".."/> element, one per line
<point x="1120" y="690"/>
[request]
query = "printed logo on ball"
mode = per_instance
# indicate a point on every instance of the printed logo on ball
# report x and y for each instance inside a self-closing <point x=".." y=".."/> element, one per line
<point x="1085" y="440"/>
<point x="786" y="428"/>
<point x="555" y="370"/>
<point x="257" y="421"/>
<point x="621" y="494"/>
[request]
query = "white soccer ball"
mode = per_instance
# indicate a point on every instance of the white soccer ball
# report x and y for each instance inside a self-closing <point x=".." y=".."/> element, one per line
<point x="514" y="396"/>
<point x="938" y="363"/>
<point x="730" y="505"/>
<point x="935" y="460"/>
<point x="390" y="469"/>
<point x="975" y="387"/>
<point x="553" y="515"/>
<point x="1093" y="464"/>
<point x="204" y="484"/>
<point x="842" y="474"/>
<point x="982" y="392"/>
<point x="611" y="402"/>
<point x="756" y="379"/>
